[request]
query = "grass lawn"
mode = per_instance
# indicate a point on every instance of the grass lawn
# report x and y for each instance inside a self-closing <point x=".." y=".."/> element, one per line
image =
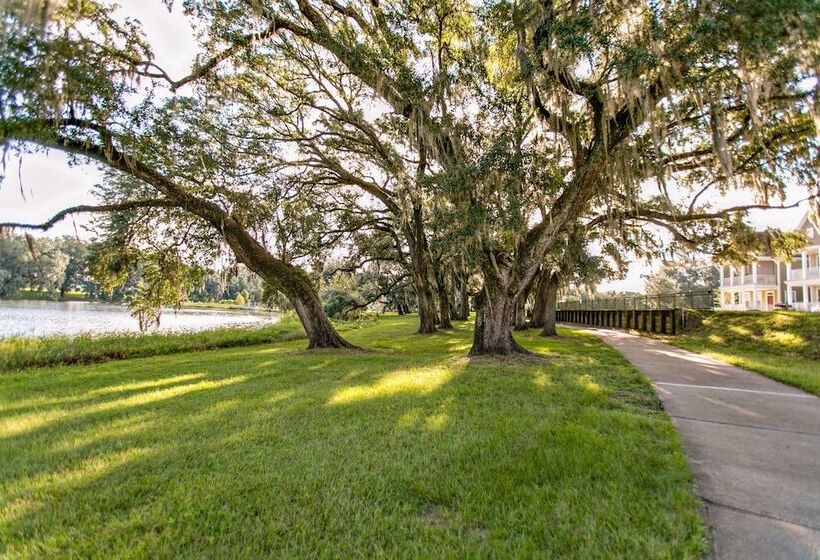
<point x="783" y="345"/>
<point x="409" y="450"/>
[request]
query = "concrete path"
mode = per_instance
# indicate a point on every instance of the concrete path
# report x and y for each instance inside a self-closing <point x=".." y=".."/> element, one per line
<point x="753" y="444"/>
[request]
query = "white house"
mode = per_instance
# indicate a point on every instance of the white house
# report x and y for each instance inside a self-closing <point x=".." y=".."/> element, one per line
<point x="803" y="273"/>
<point x="767" y="283"/>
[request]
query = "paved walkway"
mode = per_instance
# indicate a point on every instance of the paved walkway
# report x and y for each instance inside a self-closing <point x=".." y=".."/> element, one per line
<point x="753" y="443"/>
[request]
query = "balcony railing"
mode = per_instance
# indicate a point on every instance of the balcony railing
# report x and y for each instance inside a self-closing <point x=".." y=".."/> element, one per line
<point x="811" y="273"/>
<point x="747" y="280"/>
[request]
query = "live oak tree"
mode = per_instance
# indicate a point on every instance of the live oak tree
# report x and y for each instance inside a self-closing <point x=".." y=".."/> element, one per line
<point x="70" y="85"/>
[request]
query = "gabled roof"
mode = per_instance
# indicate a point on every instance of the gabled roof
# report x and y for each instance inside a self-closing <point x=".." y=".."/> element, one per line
<point x="804" y="225"/>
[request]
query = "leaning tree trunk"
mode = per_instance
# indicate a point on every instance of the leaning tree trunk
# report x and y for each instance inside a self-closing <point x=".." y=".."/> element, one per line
<point x="551" y="302"/>
<point x="492" y="324"/>
<point x="292" y="281"/>
<point x="311" y="312"/>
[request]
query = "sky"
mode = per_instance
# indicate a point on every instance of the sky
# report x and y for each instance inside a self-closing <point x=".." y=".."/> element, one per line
<point x="39" y="185"/>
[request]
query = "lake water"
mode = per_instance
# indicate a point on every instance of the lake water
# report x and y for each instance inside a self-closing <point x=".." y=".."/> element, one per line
<point x="46" y="318"/>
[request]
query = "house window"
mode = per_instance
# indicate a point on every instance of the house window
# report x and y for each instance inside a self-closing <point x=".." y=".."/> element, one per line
<point x="737" y="298"/>
<point x="727" y="298"/>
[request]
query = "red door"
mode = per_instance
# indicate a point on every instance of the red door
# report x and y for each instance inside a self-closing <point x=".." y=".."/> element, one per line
<point x="770" y="300"/>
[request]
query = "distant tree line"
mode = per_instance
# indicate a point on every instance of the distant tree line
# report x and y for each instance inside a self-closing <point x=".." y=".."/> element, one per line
<point x="57" y="268"/>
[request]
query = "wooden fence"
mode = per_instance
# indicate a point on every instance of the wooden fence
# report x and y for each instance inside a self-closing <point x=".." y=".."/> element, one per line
<point x="663" y="314"/>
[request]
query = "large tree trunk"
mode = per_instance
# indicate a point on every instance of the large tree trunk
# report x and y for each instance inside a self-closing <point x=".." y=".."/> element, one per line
<point x="443" y="302"/>
<point x="492" y="324"/>
<point x="520" y="319"/>
<point x="454" y="302"/>
<point x="551" y="302"/>
<point x="427" y="306"/>
<point x="546" y="298"/>
<point x="421" y="270"/>
<point x="539" y="305"/>
<point x="464" y="299"/>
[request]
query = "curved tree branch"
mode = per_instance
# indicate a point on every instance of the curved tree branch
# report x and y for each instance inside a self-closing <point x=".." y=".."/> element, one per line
<point x="84" y="208"/>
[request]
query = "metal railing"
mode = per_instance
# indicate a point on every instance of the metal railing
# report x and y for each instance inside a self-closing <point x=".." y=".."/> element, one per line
<point x="705" y="299"/>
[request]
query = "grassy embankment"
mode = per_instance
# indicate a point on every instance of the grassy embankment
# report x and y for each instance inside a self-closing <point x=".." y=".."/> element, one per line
<point x="19" y="353"/>
<point x="408" y="450"/>
<point x="783" y="345"/>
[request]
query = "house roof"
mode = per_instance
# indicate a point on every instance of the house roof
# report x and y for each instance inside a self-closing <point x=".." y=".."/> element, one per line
<point x="804" y="226"/>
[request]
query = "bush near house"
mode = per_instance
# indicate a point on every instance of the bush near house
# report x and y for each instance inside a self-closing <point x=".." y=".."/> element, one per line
<point x="760" y="340"/>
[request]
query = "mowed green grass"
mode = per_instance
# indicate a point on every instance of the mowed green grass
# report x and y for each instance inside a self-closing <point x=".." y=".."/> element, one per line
<point x="409" y="450"/>
<point x="783" y="345"/>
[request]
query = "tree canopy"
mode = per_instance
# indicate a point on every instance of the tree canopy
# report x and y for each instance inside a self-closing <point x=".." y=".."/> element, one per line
<point x="474" y="147"/>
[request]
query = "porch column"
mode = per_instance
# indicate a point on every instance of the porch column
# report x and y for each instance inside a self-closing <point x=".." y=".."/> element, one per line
<point x="805" y="263"/>
<point x="779" y="287"/>
<point x="805" y="297"/>
<point x="754" y="273"/>
<point x="731" y="276"/>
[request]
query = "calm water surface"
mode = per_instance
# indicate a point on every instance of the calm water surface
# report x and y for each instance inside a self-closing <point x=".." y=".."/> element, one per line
<point x="46" y="318"/>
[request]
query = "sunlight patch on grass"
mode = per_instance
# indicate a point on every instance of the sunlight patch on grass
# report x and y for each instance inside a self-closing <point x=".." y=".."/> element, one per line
<point x="23" y="423"/>
<point x="89" y="395"/>
<point x="280" y="396"/>
<point x="716" y="339"/>
<point x="541" y="379"/>
<point x="790" y="340"/>
<point x="118" y="428"/>
<point x="414" y="380"/>
<point x="587" y="382"/>
<point x="63" y="480"/>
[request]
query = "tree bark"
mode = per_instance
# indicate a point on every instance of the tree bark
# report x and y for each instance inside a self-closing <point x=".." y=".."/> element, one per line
<point x="421" y="270"/>
<point x="320" y="331"/>
<point x="464" y="299"/>
<point x="540" y="303"/>
<point x="443" y="303"/>
<point x="551" y="302"/>
<point x="427" y="306"/>
<point x="492" y="325"/>
<point x="520" y="319"/>
<point x="291" y="281"/>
